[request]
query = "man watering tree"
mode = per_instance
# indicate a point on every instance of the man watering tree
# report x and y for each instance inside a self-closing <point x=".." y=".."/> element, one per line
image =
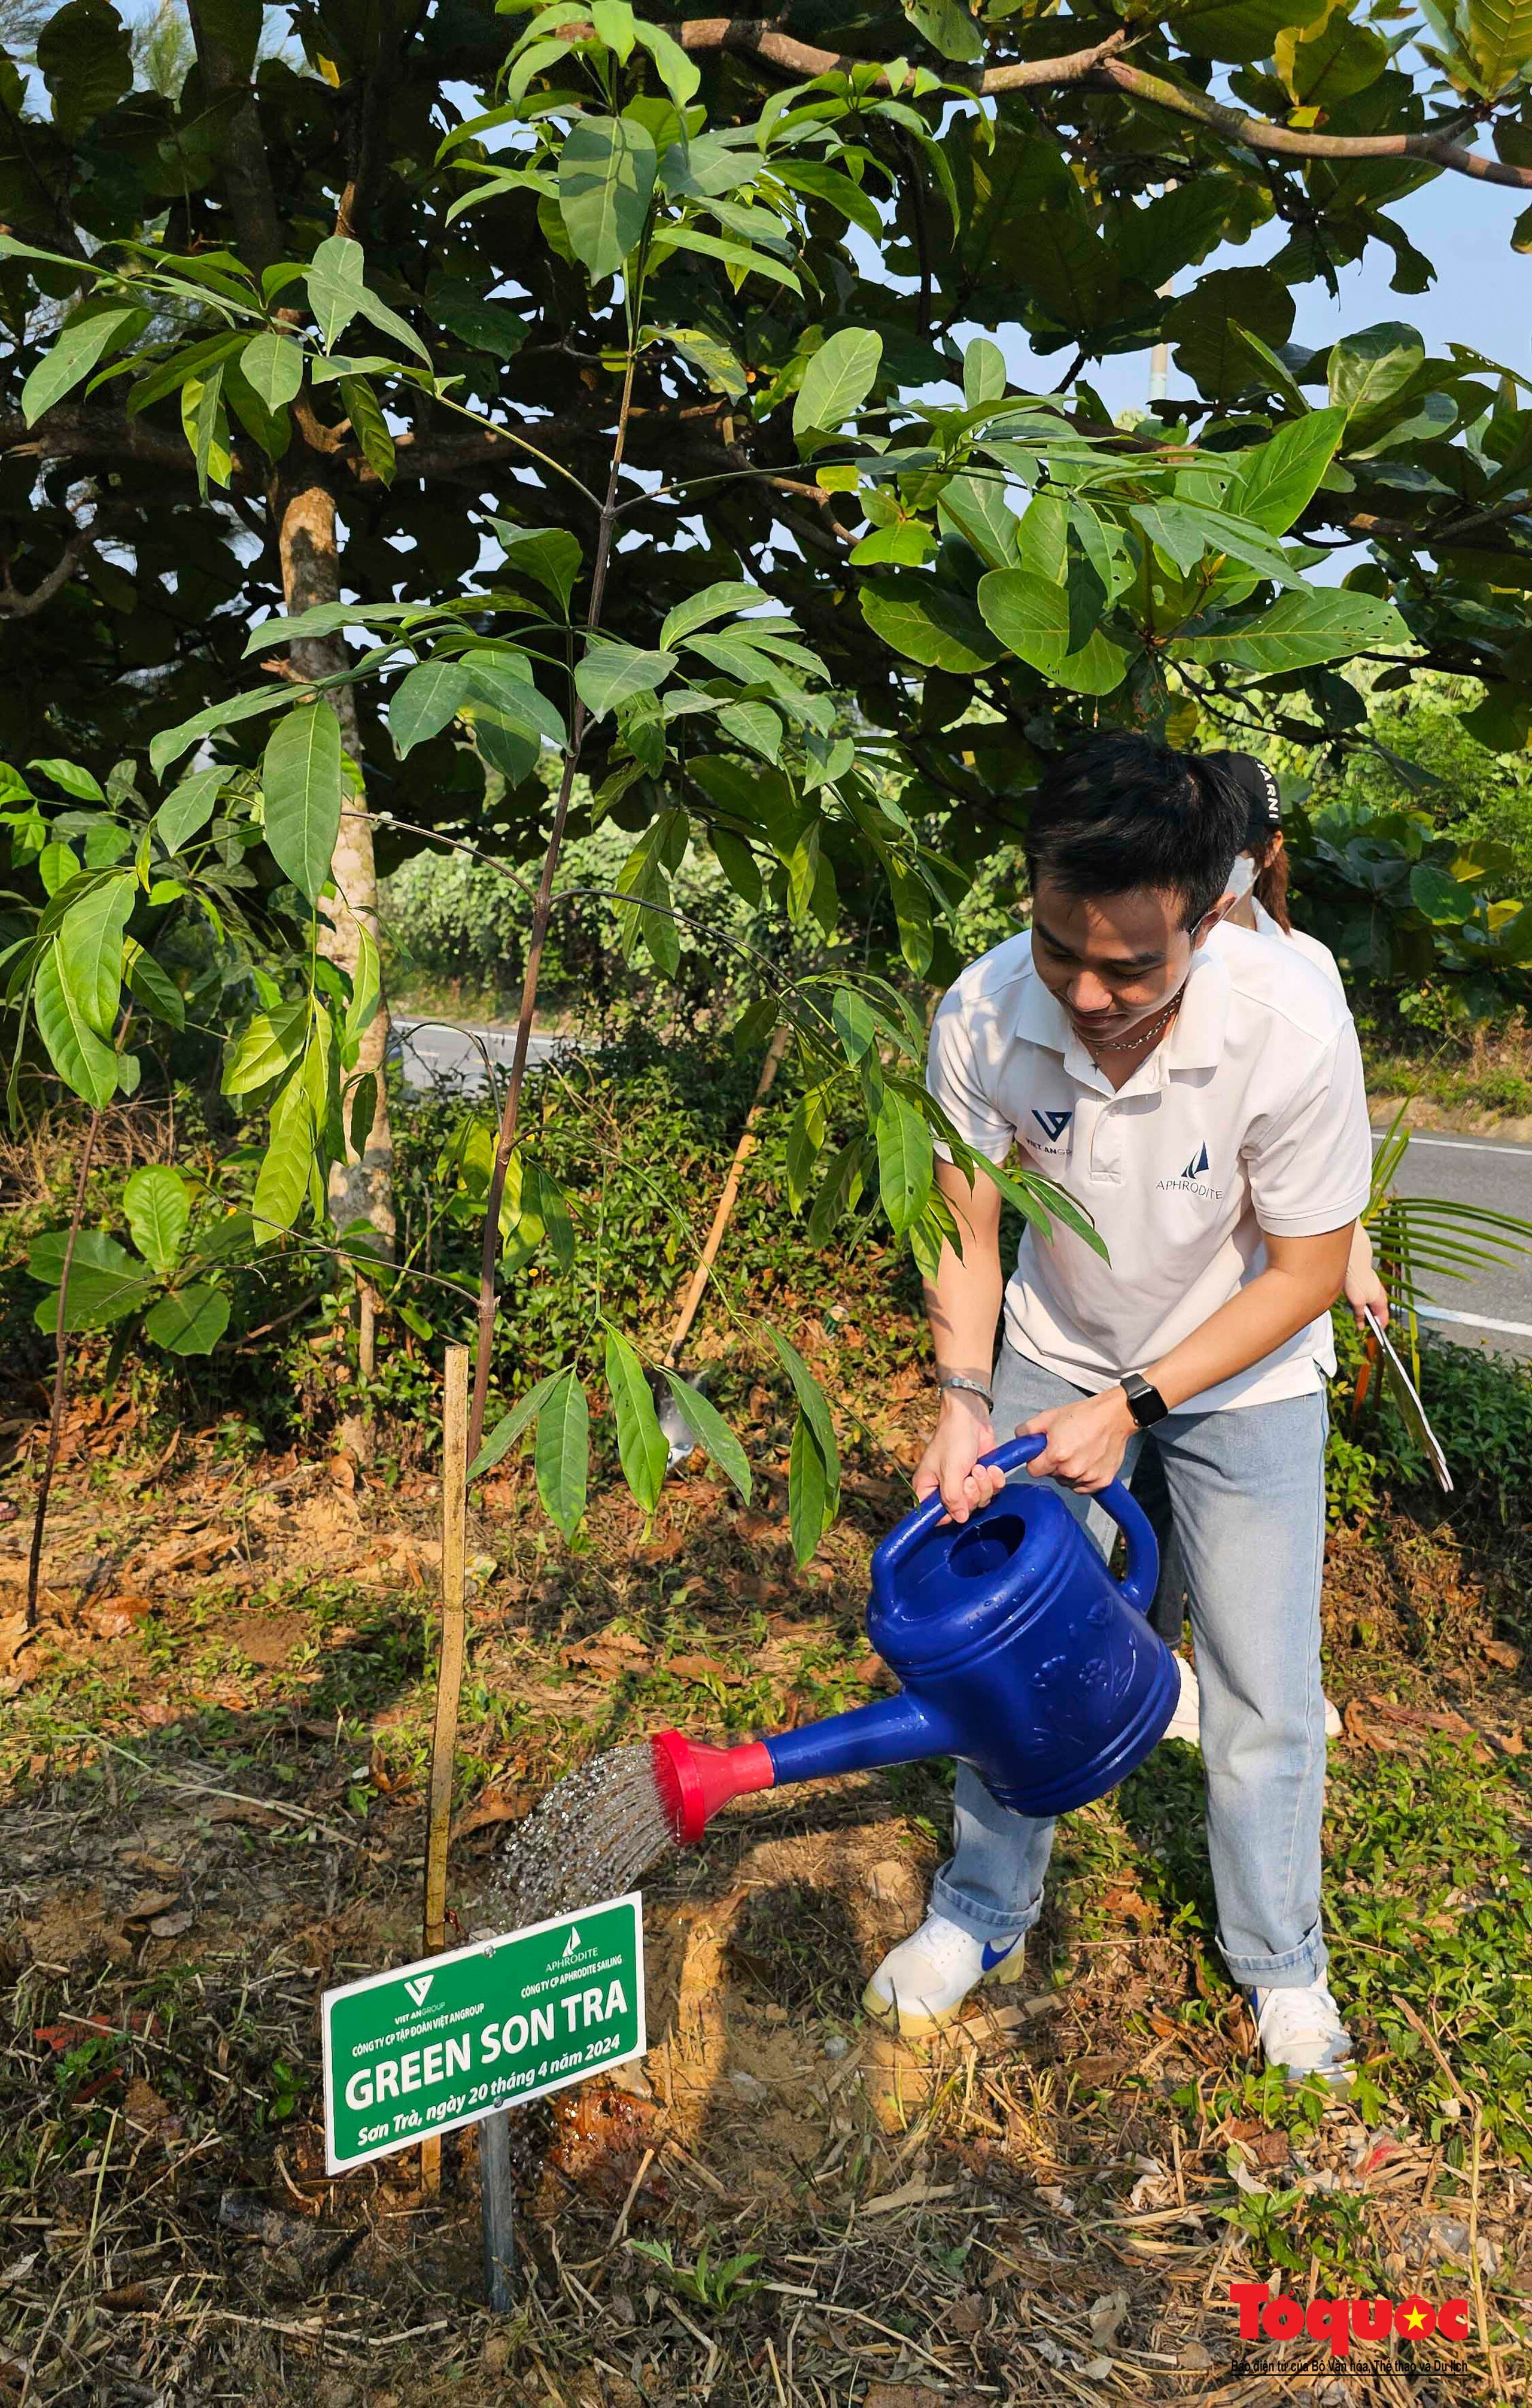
<point x="1206" y="1105"/>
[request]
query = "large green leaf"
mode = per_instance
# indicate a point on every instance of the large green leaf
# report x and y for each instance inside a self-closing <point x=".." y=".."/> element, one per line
<point x="159" y="1212"/>
<point x="711" y="1431"/>
<point x="1031" y="616"/>
<point x="606" y="172"/>
<point x="947" y="25"/>
<point x="1184" y="531"/>
<point x="1299" y="632"/>
<point x="92" y="1251"/>
<point x="905" y="1160"/>
<point x="1068" y="268"/>
<point x="86" y="1065"/>
<point x="1181" y="226"/>
<point x="1325" y="64"/>
<point x="85" y="52"/>
<point x="336" y="283"/>
<point x="1207" y="326"/>
<point x="153" y="987"/>
<point x="1370" y="367"/>
<point x="1237" y="30"/>
<point x="613" y="673"/>
<point x="812" y="1494"/>
<point x="1499" y="40"/>
<point x="273" y="1040"/>
<point x="563" y="1452"/>
<point x="186" y="812"/>
<point x="976" y="507"/>
<point x="549" y="556"/>
<point x="89" y="948"/>
<point x="640" y="1442"/>
<point x="84" y="343"/>
<point x="105" y="1282"/>
<point x="837" y="381"/>
<point x="171" y="742"/>
<point x="369" y="427"/>
<point x="928" y="622"/>
<point x="191" y="1321"/>
<point x="505" y="1432"/>
<point x="301" y="780"/>
<point x="502" y="686"/>
<point x="1281" y="479"/>
<point x="717" y="601"/>
<point x="426" y="701"/>
<point x="810" y="1396"/>
<point x="273" y="368"/>
<point x="282" y="1180"/>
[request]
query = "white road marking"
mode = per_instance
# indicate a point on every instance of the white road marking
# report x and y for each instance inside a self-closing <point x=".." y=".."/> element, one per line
<point x="1474" y="1321"/>
<point x="1458" y="1144"/>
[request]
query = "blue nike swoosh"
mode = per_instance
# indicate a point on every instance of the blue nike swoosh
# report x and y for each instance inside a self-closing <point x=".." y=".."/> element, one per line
<point x="992" y="1957"/>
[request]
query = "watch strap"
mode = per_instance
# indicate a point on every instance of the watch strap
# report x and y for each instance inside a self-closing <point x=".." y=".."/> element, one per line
<point x="1144" y="1401"/>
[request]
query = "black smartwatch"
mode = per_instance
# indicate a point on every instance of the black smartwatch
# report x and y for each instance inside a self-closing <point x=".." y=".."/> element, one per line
<point x="1145" y="1403"/>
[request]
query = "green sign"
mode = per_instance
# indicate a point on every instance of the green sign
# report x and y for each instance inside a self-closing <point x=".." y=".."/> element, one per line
<point x="456" y="2037"/>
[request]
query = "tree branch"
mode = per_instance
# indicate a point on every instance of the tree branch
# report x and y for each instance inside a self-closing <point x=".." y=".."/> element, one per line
<point x="1284" y="141"/>
<point x="15" y="605"/>
<point x="1101" y="69"/>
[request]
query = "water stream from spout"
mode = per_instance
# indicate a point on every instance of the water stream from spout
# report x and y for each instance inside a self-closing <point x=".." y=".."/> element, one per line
<point x="594" y="1834"/>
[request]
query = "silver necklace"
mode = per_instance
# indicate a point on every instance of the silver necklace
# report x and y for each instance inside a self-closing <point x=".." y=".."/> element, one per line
<point x="1141" y="1037"/>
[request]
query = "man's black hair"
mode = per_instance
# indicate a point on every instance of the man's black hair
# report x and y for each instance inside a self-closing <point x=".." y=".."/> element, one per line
<point x="1120" y="811"/>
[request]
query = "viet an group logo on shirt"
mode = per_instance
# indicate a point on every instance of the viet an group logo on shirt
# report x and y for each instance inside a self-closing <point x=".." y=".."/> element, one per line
<point x="1194" y="1179"/>
<point x="1053" y="1125"/>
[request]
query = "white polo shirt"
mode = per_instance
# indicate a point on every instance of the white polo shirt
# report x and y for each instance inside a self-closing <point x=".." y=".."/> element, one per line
<point x="1250" y="1115"/>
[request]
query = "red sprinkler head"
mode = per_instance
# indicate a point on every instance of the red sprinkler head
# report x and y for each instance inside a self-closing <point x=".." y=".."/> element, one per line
<point x="694" y="1780"/>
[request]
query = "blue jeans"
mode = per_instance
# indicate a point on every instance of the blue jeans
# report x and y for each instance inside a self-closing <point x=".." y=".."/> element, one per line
<point x="1247" y="1492"/>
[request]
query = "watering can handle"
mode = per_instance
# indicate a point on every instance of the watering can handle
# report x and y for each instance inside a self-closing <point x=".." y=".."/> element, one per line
<point x="1143" y="1555"/>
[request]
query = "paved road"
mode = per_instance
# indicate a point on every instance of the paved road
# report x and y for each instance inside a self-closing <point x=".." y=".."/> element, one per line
<point x="1493" y="1308"/>
<point x="450" y="1051"/>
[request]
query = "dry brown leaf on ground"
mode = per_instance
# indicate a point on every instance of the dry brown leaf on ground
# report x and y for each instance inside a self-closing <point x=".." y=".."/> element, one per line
<point x="1501" y="1652"/>
<point x="153" y="1903"/>
<point x="703" y="1668"/>
<point x="148" y="2113"/>
<point x="14" y="1635"/>
<point x="492" y="1806"/>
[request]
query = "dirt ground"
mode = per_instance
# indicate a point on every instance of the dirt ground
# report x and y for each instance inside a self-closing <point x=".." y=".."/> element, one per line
<point x="213" y="1807"/>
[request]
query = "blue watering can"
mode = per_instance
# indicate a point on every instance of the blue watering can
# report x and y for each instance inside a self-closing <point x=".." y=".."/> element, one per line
<point x="1017" y="1652"/>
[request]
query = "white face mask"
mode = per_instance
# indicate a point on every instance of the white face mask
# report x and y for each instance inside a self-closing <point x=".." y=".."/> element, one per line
<point x="1242" y="878"/>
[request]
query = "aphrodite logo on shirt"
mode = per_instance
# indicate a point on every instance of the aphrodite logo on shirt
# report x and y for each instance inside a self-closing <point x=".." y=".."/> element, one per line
<point x="1053" y="1125"/>
<point x="1193" y="1179"/>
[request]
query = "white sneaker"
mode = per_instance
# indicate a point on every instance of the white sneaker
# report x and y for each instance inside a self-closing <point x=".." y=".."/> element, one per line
<point x="1301" y="2031"/>
<point x="1186" y="1722"/>
<point x="923" y="1984"/>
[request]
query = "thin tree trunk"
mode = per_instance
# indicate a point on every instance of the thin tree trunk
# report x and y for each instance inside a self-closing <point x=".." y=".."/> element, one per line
<point x="359" y="1190"/>
<point x="542" y="910"/>
<point x="61" y="1371"/>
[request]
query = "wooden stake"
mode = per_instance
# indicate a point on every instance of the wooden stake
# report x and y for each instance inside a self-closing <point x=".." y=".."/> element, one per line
<point x="454" y="1519"/>
<point x="367" y="1335"/>
<point x="742" y="1152"/>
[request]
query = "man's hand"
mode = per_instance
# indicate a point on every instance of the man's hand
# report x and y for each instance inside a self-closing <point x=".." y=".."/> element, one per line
<point x="1086" y="1442"/>
<point x="951" y="1461"/>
